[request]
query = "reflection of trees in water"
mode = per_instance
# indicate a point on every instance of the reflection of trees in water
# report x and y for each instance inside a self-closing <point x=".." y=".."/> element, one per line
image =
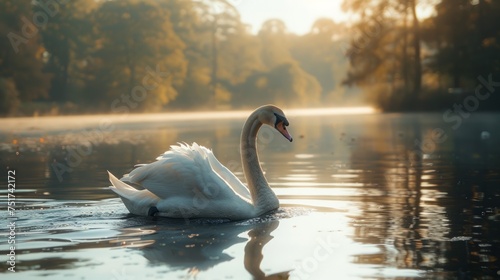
<point x="432" y="203"/>
<point x="476" y="166"/>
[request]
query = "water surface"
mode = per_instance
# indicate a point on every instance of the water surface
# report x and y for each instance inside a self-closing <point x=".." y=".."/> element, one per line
<point x="363" y="196"/>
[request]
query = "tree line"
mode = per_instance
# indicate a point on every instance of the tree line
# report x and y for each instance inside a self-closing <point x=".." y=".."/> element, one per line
<point x="103" y="56"/>
<point x="88" y="56"/>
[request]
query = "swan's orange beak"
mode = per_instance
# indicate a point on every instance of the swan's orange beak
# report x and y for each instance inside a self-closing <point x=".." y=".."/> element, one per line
<point x="282" y="129"/>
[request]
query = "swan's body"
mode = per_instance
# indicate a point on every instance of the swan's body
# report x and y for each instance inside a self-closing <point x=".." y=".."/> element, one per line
<point x="189" y="182"/>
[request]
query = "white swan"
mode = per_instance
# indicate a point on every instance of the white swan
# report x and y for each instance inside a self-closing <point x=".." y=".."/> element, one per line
<point x="189" y="182"/>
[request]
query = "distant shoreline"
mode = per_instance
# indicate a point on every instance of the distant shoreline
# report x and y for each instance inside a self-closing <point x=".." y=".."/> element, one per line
<point x="85" y="121"/>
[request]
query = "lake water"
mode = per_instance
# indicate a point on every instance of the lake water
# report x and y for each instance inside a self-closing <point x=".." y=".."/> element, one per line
<point x="363" y="196"/>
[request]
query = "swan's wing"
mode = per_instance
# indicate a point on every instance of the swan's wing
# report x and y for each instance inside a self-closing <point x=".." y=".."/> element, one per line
<point x="226" y="174"/>
<point x="215" y="165"/>
<point x="182" y="172"/>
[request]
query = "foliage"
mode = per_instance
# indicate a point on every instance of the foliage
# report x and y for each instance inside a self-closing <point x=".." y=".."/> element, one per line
<point x="65" y="38"/>
<point x="320" y="54"/>
<point x="285" y="84"/>
<point x="466" y="37"/>
<point x="405" y="63"/>
<point x="151" y="55"/>
<point x="9" y="97"/>
<point x="21" y="56"/>
<point x="138" y="54"/>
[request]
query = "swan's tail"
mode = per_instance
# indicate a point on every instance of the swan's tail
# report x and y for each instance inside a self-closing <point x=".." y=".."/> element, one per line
<point x="121" y="188"/>
<point x="137" y="202"/>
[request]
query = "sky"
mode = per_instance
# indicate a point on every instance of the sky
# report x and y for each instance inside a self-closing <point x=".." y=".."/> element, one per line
<point x="298" y="15"/>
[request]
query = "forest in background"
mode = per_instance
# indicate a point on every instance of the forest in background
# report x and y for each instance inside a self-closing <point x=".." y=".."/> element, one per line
<point x="88" y="56"/>
<point x="449" y="60"/>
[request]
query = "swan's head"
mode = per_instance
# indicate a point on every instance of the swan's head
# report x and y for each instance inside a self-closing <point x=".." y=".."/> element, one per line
<point x="274" y="116"/>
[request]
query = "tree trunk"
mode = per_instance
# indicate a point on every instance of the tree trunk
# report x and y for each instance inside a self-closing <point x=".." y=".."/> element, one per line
<point x="456" y="40"/>
<point x="65" y="77"/>
<point x="417" y="78"/>
<point x="214" y="60"/>
<point x="404" y="66"/>
<point x="131" y="67"/>
<point x="132" y="77"/>
<point x="60" y="82"/>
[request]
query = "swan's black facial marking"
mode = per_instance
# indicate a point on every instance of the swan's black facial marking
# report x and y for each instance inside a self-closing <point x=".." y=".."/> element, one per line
<point x="280" y="125"/>
<point x="279" y="119"/>
<point x="152" y="211"/>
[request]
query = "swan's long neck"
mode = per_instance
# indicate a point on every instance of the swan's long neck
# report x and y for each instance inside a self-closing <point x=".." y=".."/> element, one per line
<point x="263" y="197"/>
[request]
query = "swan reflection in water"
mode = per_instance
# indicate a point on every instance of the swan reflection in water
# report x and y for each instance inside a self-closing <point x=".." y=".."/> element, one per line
<point x="259" y="236"/>
<point x="200" y="248"/>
